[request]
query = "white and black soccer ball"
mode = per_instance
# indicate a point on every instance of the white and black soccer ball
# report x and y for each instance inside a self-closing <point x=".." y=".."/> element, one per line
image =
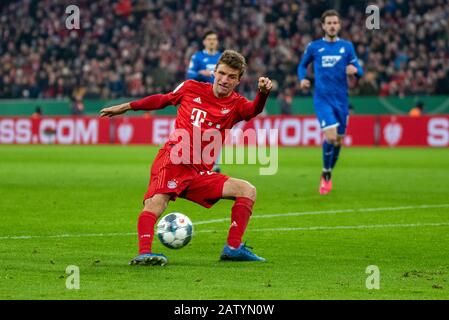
<point x="175" y="230"/>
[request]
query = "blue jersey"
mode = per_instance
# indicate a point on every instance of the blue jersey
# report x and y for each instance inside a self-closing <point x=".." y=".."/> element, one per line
<point x="202" y="61"/>
<point x="330" y="60"/>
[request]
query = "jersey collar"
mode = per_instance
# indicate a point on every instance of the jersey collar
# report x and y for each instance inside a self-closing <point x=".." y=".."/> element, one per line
<point x="324" y="39"/>
<point x="210" y="55"/>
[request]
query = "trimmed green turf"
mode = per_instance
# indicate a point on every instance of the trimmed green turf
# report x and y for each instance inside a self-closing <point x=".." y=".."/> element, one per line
<point x="48" y="191"/>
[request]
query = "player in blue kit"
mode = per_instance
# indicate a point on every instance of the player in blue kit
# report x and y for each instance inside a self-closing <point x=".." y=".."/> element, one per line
<point x="333" y="59"/>
<point x="202" y="66"/>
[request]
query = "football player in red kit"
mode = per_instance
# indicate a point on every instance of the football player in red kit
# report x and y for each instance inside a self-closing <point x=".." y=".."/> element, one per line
<point x="203" y="107"/>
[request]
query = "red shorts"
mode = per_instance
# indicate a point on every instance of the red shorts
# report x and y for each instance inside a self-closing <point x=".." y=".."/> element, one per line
<point x="181" y="180"/>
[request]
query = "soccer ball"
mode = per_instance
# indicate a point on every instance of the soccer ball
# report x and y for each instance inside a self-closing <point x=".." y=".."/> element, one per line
<point x="175" y="230"/>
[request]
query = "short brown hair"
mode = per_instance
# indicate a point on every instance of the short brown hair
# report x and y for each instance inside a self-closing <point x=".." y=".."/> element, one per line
<point x="208" y="33"/>
<point x="329" y="13"/>
<point x="234" y="60"/>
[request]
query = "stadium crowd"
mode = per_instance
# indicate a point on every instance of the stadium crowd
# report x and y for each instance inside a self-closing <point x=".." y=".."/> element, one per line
<point x="138" y="47"/>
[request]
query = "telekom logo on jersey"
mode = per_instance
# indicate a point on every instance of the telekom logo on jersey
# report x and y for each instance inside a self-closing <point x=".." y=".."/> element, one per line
<point x="198" y="116"/>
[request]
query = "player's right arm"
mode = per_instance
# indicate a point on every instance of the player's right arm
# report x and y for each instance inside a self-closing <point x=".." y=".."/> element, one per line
<point x="193" y="71"/>
<point x="152" y="102"/>
<point x="115" y="110"/>
<point x="307" y="58"/>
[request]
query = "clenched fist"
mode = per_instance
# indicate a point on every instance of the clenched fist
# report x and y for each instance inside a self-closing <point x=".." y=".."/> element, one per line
<point x="304" y="84"/>
<point x="351" y="70"/>
<point x="265" y="85"/>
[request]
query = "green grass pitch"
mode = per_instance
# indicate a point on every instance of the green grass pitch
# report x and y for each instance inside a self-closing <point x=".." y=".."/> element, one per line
<point x="78" y="205"/>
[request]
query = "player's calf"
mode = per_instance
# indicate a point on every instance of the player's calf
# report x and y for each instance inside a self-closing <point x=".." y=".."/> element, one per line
<point x="336" y="152"/>
<point x="244" y="194"/>
<point x="153" y="208"/>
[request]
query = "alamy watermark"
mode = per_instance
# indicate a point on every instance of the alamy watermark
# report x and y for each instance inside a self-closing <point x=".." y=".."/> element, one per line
<point x="73" y="19"/>
<point x="203" y="147"/>
<point x="73" y="277"/>
<point x="373" y="280"/>
<point x="372" y="22"/>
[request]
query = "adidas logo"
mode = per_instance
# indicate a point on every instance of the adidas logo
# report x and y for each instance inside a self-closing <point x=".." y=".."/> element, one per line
<point x="234" y="224"/>
<point x="197" y="100"/>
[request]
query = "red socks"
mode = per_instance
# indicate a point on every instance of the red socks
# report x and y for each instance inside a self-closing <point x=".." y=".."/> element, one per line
<point x="145" y="231"/>
<point x="241" y="211"/>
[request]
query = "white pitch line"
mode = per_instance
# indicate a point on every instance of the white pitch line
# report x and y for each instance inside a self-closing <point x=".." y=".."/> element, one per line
<point x="290" y="214"/>
<point x="371" y="226"/>
<point x="83" y="235"/>
<point x="264" y="216"/>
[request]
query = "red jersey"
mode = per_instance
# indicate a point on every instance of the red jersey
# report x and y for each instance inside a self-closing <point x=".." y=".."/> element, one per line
<point x="202" y="116"/>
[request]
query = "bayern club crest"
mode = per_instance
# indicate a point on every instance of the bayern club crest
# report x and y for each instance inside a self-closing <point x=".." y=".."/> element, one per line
<point x="172" y="184"/>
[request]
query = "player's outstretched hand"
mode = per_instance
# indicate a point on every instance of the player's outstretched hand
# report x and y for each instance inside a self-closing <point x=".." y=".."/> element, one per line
<point x="115" y="110"/>
<point x="351" y="70"/>
<point x="265" y="85"/>
<point x="304" y="84"/>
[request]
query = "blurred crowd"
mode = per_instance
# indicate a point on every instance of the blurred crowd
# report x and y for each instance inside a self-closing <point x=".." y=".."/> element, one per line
<point x="137" y="47"/>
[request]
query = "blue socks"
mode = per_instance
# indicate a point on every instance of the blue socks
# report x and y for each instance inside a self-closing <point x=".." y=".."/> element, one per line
<point x="335" y="155"/>
<point x="328" y="152"/>
<point x="330" y="155"/>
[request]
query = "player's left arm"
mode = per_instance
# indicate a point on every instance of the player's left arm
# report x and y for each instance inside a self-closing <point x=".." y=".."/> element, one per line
<point x="250" y="109"/>
<point x="354" y="67"/>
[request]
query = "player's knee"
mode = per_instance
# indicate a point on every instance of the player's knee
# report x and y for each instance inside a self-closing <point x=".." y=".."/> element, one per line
<point x="235" y="188"/>
<point x="339" y="141"/>
<point x="156" y="205"/>
<point x="331" y="139"/>
<point x="249" y="191"/>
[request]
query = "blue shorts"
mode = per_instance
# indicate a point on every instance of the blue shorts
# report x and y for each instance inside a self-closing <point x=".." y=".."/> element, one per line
<point x="331" y="113"/>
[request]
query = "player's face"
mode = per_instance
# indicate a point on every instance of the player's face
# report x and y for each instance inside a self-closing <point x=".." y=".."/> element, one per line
<point x="331" y="26"/>
<point x="226" y="79"/>
<point x="211" y="42"/>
